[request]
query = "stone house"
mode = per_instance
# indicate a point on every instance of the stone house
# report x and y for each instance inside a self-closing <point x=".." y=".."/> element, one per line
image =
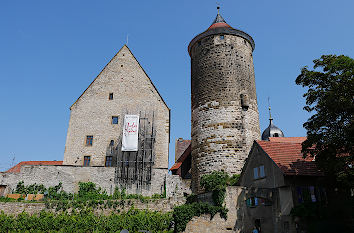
<point x="96" y="118"/>
<point x="276" y="178"/>
<point x="93" y="144"/>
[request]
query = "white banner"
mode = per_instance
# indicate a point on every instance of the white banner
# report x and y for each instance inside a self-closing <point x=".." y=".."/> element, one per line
<point x="130" y="133"/>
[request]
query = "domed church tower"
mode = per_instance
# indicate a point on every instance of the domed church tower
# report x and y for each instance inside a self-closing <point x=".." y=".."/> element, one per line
<point x="272" y="130"/>
<point x="224" y="102"/>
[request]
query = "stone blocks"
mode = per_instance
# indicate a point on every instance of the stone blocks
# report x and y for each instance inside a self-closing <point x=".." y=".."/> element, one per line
<point x="223" y="129"/>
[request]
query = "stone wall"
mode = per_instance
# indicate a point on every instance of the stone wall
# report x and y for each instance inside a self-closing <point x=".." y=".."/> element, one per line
<point x="240" y="218"/>
<point x="223" y="129"/>
<point x="91" y="115"/>
<point x="164" y="205"/>
<point x="234" y="202"/>
<point x="176" y="186"/>
<point x="70" y="176"/>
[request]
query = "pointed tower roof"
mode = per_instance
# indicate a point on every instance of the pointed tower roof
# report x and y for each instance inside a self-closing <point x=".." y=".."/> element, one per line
<point x="220" y="27"/>
<point x="219" y="22"/>
<point x="272" y="130"/>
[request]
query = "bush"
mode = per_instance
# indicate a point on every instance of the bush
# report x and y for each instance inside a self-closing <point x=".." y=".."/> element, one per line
<point x="85" y="221"/>
<point x="215" y="180"/>
<point x="184" y="213"/>
<point x="29" y="189"/>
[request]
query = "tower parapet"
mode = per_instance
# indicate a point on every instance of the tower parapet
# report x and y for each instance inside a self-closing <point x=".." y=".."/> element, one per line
<point x="224" y="102"/>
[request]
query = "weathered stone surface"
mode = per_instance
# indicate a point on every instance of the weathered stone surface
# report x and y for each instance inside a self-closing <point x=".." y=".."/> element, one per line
<point x="205" y="224"/>
<point x="223" y="125"/>
<point x="70" y="176"/>
<point x="91" y="115"/>
<point x="234" y="202"/>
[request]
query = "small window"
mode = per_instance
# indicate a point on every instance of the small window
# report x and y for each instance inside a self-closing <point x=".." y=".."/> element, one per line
<point x="114" y="120"/>
<point x="87" y="161"/>
<point x="257" y="201"/>
<point x="89" y="140"/>
<point x="252" y="202"/>
<point x="222" y="37"/>
<point x="261" y="171"/>
<point x="255" y="173"/>
<point x="276" y="135"/>
<point x="108" y="161"/>
<point x="258" y="172"/>
<point x="111" y="143"/>
<point x="110" y="96"/>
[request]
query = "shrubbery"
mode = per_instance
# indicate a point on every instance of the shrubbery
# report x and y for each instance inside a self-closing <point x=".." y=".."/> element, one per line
<point x="184" y="213"/>
<point x="214" y="182"/>
<point x="85" y="221"/>
<point x="90" y="197"/>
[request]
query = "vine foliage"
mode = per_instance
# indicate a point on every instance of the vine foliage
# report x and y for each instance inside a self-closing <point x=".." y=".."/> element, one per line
<point x="216" y="182"/>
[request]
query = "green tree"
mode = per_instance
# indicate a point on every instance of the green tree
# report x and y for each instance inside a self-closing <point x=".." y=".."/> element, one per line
<point x="330" y="130"/>
<point x="330" y="137"/>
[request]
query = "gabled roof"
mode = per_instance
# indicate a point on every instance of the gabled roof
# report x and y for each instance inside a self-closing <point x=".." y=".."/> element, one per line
<point x="289" y="158"/>
<point x="182" y="158"/>
<point x="17" y="168"/>
<point x="181" y="146"/>
<point x="124" y="46"/>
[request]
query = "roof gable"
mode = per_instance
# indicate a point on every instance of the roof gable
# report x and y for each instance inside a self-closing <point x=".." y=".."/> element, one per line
<point x="182" y="158"/>
<point x="289" y="158"/>
<point x="115" y="58"/>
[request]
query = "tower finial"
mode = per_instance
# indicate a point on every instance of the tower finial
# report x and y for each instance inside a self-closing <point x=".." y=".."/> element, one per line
<point x="218" y="7"/>
<point x="270" y="113"/>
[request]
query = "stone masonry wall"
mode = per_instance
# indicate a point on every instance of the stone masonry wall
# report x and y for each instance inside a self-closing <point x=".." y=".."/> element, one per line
<point x="91" y="114"/>
<point x="234" y="202"/>
<point x="70" y="176"/>
<point x="240" y="218"/>
<point x="222" y="131"/>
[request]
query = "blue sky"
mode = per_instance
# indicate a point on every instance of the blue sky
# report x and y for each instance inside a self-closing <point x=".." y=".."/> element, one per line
<point x="50" y="51"/>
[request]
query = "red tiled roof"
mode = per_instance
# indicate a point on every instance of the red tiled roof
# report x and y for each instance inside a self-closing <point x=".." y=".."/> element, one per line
<point x="183" y="157"/>
<point x="219" y="25"/>
<point x="17" y="168"/>
<point x="289" y="158"/>
<point x="176" y="166"/>
<point x="287" y="139"/>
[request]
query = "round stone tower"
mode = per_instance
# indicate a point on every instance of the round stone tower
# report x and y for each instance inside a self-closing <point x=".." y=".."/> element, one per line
<point x="224" y="102"/>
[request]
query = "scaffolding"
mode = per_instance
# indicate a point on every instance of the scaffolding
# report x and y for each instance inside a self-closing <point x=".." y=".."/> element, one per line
<point x="134" y="168"/>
